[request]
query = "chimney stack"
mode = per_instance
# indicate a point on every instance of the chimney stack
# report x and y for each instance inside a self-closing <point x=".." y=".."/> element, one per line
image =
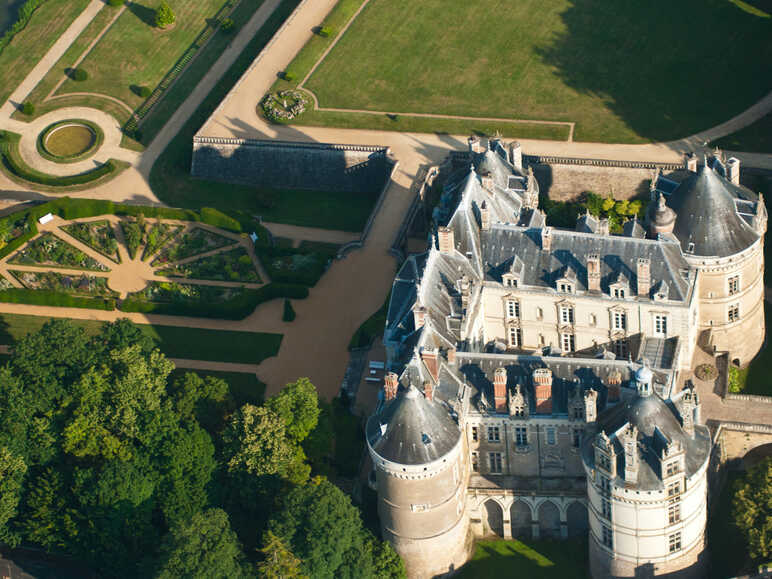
<point x="644" y="277"/>
<point x="451" y="355"/>
<point x="590" y="405"/>
<point x="593" y="272"/>
<point x="474" y="144"/>
<point x="603" y="227"/>
<point x="690" y="162"/>
<point x="614" y="386"/>
<point x="431" y="361"/>
<point x="733" y="170"/>
<point x="542" y="386"/>
<point x="546" y="239"/>
<point x="446" y="240"/>
<point x="487" y="182"/>
<point x="485" y="216"/>
<point x="419" y="316"/>
<point x="500" y="389"/>
<point x="516" y="155"/>
<point x="390" y="386"/>
<point x="428" y="390"/>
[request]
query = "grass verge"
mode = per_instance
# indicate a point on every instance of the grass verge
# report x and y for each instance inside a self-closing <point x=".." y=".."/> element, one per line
<point x="754" y="379"/>
<point x="755" y="138"/>
<point x="532" y="559"/>
<point x="175" y="342"/>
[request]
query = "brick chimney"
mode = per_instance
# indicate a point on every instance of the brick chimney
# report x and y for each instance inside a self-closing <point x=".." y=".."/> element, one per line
<point x="446" y="240"/>
<point x="603" y="227"/>
<point x="644" y="277"/>
<point x="485" y="216"/>
<point x="419" y="316"/>
<point x="428" y="390"/>
<point x="690" y="162"/>
<point x="474" y="144"/>
<point x="593" y="272"/>
<point x="590" y="405"/>
<point x="546" y="239"/>
<point x="451" y="355"/>
<point x="614" y="386"/>
<point x="542" y="386"/>
<point x="390" y="386"/>
<point x="516" y="155"/>
<point x="733" y="170"/>
<point x="500" y="389"/>
<point x="431" y="361"/>
<point x="487" y="182"/>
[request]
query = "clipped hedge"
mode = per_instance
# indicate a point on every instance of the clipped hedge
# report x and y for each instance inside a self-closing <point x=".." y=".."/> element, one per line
<point x="235" y="309"/>
<point x="289" y="312"/>
<point x="16" y="243"/>
<point x="54" y="298"/>
<point x="212" y="216"/>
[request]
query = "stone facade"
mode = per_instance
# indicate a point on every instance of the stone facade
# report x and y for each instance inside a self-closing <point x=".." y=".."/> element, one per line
<point x="529" y="353"/>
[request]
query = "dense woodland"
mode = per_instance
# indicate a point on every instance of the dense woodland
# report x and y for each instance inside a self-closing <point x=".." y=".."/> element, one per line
<point x="105" y="458"/>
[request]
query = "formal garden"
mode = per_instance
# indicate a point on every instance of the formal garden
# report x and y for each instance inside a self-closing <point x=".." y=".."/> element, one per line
<point x="590" y="63"/>
<point x="98" y="235"/>
<point x="232" y="265"/>
<point x="52" y="251"/>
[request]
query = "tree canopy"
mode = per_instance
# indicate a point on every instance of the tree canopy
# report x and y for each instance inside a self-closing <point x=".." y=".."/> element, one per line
<point x="752" y="509"/>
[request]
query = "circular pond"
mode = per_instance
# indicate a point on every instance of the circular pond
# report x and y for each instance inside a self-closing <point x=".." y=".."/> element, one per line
<point x="69" y="141"/>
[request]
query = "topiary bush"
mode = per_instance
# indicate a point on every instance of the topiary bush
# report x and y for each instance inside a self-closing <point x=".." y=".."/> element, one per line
<point x="144" y="91"/>
<point x="79" y="75"/>
<point x="227" y="24"/>
<point x="289" y="312"/>
<point x="164" y="16"/>
<point x="288" y="76"/>
<point x="325" y="31"/>
<point x="28" y="108"/>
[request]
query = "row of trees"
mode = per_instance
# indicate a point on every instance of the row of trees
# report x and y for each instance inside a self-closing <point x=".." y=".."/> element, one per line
<point x="617" y="211"/>
<point x="105" y="457"/>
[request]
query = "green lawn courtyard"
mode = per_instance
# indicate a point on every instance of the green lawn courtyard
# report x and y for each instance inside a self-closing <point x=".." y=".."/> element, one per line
<point x="623" y="72"/>
<point x="532" y="559"/>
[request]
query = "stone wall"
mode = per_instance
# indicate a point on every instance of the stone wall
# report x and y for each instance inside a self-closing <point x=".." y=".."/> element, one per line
<point x="286" y="165"/>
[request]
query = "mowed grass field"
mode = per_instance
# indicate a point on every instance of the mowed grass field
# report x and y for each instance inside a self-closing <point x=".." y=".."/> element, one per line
<point x="28" y="46"/>
<point x="134" y="52"/>
<point x="624" y="71"/>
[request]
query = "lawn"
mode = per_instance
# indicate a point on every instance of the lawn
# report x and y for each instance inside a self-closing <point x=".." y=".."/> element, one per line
<point x="175" y="342"/>
<point x="755" y="138"/>
<point x="532" y="559"/>
<point x="595" y="63"/>
<point x="135" y="53"/>
<point x="171" y="181"/>
<point x="28" y="46"/>
<point x="756" y="375"/>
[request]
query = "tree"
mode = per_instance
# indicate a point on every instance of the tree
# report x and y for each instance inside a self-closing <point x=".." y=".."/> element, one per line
<point x="278" y="562"/>
<point x="12" y="469"/>
<point x="255" y="442"/>
<point x="164" y="16"/>
<point x="752" y="509"/>
<point x="608" y="203"/>
<point x="298" y="405"/>
<point x="204" y="546"/>
<point x="320" y="525"/>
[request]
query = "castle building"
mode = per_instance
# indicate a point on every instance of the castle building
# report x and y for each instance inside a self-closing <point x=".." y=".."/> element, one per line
<point x="536" y="373"/>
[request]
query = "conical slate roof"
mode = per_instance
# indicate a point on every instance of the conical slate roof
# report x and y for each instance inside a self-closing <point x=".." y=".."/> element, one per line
<point x="413" y="430"/>
<point x="707" y="216"/>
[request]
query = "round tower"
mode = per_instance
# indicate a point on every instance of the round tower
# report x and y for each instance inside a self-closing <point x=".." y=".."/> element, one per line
<point x="647" y="487"/>
<point x="421" y="475"/>
<point x="721" y="227"/>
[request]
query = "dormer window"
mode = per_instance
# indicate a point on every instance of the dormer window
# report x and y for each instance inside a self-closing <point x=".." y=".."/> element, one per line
<point x="509" y="280"/>
<point x="619" y="292"/>
<point x="565" y="287"/>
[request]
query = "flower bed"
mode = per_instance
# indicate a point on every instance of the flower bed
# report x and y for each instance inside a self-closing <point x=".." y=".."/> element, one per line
<point x="284" y="105"/>
<point x="191" y="243"/>
<point x="158" y="234"/>
<point x="231" y="265"/>
<point x="98" y="235"/>
<point x="83" y="285"/>
<point x="192" y="300"/>
<point x="51" y="251"/>
<point x="290" y="265"/>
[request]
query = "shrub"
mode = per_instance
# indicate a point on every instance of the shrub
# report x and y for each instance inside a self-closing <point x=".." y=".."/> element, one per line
<point x="289" y="312"/>
<point x="28" y="108"/>
<point x="325" y="31"/>
<point x="79" y="74"/>
<point x="288" y="76"/>
<point x="115" y="2"/>
<point x="144" y="91"/>
<point x="164" y="16"/>
<point x="217" y="218"/>
<point x="227" y="24"/>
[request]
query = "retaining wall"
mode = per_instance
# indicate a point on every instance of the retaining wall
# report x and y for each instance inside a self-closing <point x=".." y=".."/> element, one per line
<point x="287" y="165"/>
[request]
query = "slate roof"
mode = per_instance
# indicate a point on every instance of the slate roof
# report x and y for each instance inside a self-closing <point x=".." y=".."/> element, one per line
<point x="417" y="430"/>
<point x="705" y="204"/>
<point x="646" y="414"/>
<point x="618" y="255"/>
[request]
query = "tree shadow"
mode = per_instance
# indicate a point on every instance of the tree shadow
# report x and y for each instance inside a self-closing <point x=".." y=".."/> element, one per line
<point x="668" y="70"/>
<point x="145" y="14"/>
